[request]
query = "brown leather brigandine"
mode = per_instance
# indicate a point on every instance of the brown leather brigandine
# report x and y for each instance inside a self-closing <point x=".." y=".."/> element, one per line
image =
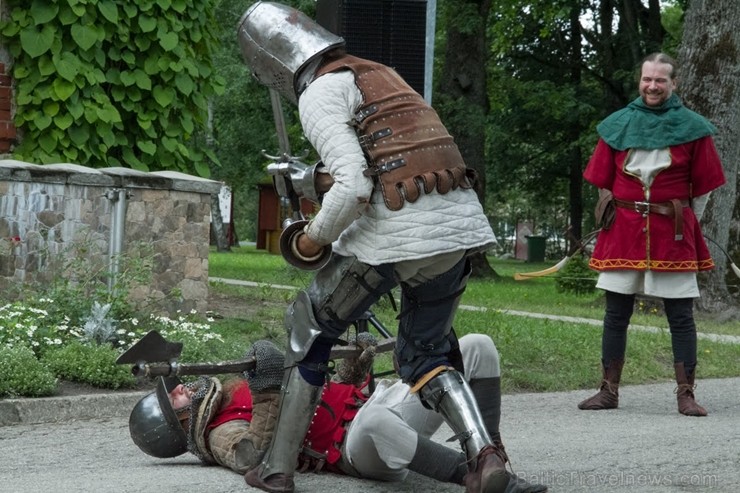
<point x="408" y="149"/>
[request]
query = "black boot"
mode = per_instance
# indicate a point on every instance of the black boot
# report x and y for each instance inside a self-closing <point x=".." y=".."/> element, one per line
<point x="438" y="461"/>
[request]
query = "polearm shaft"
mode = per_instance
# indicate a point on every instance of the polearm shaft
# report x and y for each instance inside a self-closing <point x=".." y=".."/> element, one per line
<point x="165" y="369"/>
<point x="282" y="132"/>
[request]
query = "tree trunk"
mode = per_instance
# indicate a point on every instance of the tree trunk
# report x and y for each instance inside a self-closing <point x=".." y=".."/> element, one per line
<point x="218" y="234"/>
<point x="463" y="85"/>
<point x="575" y="155"/>
<point x="709" y="83"/>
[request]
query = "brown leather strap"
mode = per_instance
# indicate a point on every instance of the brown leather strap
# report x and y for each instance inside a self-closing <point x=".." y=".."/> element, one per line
<point x="672" y="208"/>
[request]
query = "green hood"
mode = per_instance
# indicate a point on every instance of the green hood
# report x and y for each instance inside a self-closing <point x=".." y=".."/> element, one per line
<point x="646" y="127"/>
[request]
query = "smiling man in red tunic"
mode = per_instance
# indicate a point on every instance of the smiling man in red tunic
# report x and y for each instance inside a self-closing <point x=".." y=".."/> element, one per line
<point x="658" y="160"/>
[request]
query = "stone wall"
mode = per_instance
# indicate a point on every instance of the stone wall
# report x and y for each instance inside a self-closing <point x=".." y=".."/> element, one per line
<point x="50" y="214"/>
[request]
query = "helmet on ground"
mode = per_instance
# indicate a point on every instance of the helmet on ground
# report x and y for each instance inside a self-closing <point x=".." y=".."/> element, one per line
<point x="153" y="423"/>
<point x="283" y="46"/>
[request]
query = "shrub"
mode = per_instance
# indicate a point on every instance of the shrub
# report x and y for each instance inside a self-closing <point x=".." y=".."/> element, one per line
<point x="199" y="341"/>
<point x="113" y="83"/>
<point x="78" y="327"/>
<point x="28" y="324"/>
<point x="90" y="364"/>
<point x="575" y="277"/>
<point x="23" y="374"/>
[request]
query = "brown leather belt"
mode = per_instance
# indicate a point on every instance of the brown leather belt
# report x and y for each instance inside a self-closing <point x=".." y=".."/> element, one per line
<point x="672" y="208"/>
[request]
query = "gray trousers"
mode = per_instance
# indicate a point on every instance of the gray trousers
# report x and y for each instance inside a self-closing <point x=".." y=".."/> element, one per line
<point x="381" y="441"/>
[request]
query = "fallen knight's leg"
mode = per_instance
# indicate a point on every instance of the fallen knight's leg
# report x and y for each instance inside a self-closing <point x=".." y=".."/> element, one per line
<point x="429" y="360"/>
<point x="445" y="391"/>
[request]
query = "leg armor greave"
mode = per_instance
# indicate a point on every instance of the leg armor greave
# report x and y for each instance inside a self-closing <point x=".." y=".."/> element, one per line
<point x="297" y="408"/>
<point x="340" y="293"/>
<point x="449" y="395"/>
<point x="302" y="329"/>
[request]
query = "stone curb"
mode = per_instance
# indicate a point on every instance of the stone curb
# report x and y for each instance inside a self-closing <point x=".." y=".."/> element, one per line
<point x="67" y="408"/>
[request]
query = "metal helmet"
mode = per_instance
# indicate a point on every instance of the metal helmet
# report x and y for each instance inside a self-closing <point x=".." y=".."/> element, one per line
<point x="283" y="46"/>
<point x="154" y="426"/>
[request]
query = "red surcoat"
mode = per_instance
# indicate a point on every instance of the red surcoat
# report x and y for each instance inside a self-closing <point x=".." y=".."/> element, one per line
<point x="638" y="242"/>
<point x="340" y="404"/>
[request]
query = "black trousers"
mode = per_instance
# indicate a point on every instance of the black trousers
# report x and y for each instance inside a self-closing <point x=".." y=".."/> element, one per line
<point x="680" y="315"/>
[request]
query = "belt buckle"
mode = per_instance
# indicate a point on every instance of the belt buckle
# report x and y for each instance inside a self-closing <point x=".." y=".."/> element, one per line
<point x="642" y="207"/>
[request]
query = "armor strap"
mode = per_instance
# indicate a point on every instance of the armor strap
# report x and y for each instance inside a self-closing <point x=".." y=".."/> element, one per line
<point x="408" y="149"/>
<point x="428" y="376"/>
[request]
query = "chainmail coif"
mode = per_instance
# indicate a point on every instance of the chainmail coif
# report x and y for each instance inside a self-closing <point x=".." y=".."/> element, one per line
<point x="200" y="388"/>
<point x="269" y="366"/>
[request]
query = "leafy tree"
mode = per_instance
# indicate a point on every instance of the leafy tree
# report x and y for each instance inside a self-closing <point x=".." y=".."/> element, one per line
<point x="462" y="100"/>
<point x="243" y="122"/>
<point x="560" y="67"/>
<point x="113" y="82"/>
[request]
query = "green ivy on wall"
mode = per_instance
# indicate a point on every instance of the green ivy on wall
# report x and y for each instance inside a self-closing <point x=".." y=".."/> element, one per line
<point x="113" y="82"/>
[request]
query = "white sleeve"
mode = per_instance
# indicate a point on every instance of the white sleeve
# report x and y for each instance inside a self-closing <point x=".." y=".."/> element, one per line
<point x="698" y="204"/>
<point x="326" y="108"/>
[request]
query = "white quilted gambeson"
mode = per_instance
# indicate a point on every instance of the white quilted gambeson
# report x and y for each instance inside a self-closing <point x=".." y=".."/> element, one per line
<point x="353" y="216"/>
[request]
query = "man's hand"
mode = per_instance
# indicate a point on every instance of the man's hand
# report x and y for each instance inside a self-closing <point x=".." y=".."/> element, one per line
<point x="300" y="250"/>
<point x="356" y="370"/>
<point x="306" y="247"/>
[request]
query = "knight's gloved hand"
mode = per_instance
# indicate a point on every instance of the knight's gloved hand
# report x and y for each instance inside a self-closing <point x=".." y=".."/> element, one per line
<point x="268" y="370"/>
<point x="356" y="370"/>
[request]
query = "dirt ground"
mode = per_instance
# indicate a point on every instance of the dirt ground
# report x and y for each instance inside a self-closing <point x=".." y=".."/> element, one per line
<point x="227" y="306"/>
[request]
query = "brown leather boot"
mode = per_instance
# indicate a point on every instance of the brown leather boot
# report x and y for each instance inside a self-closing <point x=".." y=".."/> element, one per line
<point x="685" y="393"/>
<point x="608" y="395"/>
<point x="489" y="474"/>
<point x="276" y="483"/>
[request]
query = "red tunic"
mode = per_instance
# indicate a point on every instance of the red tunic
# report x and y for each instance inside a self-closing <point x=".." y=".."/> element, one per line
<point x="239" y="407"/>
<point x="340" y="403"/>
<point x="642" y="243"/>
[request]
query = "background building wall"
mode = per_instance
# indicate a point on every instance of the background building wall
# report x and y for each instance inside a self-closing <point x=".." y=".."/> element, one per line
<point x="52" y="213"/>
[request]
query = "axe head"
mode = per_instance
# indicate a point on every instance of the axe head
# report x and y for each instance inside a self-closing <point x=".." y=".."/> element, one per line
<point x="152" y="348"/>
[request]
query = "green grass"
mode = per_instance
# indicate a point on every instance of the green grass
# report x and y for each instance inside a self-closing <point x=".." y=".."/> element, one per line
<point x="536" y="354"/>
